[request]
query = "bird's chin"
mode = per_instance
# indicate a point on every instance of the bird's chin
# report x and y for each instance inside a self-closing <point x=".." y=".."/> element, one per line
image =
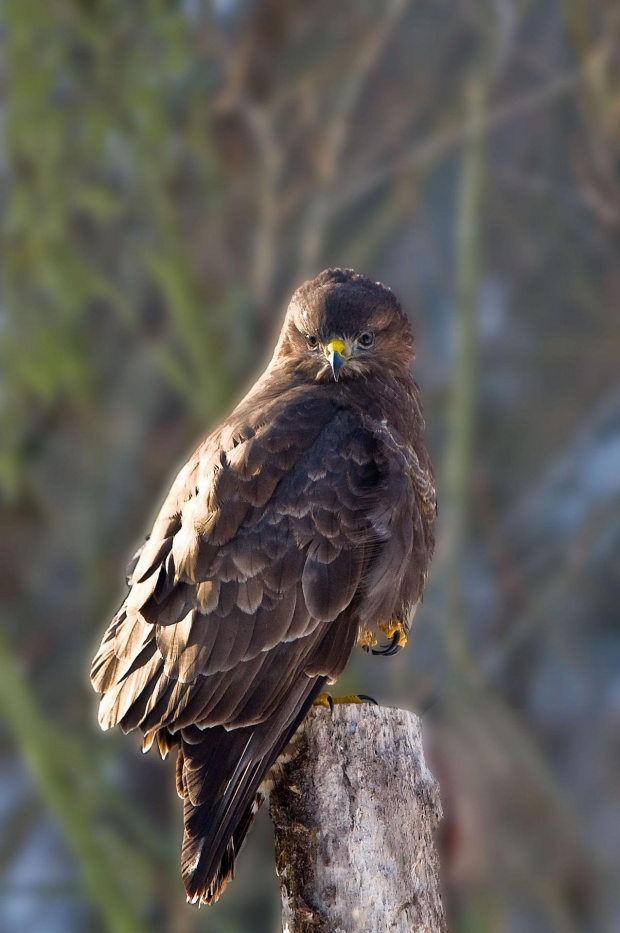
<point x="352" y="369"/>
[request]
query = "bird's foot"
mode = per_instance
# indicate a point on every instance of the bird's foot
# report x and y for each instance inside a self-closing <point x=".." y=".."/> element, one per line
<point x="367" y="640"/>
<point x="328" y="701"/>
<point x="395" y="631"/>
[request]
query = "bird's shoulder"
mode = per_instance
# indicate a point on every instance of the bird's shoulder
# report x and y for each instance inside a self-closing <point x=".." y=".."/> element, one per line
<point x="235" y="471"/>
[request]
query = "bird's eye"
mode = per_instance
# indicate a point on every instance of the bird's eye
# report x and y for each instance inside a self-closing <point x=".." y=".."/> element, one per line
<point x="313" y="341"/>
<point x="366" y="340"/>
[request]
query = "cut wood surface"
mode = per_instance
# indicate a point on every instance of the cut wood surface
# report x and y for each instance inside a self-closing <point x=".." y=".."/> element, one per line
<point x="355" y="809"/>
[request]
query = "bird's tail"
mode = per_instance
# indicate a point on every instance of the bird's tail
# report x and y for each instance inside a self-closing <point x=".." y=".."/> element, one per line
<point x="219" y="776"/>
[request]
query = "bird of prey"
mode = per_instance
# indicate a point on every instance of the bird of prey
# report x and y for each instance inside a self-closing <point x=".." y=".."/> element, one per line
<point x="301" y="526"/>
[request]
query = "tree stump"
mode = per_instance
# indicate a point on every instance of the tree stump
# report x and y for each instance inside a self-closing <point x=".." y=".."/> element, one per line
<point x="354" y="808"/>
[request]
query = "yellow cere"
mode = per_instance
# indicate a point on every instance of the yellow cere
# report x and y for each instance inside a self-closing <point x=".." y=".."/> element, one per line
<point x="336" y="346"/>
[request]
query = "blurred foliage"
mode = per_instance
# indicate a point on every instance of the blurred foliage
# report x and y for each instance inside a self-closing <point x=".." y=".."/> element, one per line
<point x="172" y="169"/>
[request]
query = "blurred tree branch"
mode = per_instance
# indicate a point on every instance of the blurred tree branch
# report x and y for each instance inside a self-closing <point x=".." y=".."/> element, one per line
<point x="42" y="749"/>
<point x="439" y="144"/>
<point x="336" y="134"/>
<point x="458" y="457"/>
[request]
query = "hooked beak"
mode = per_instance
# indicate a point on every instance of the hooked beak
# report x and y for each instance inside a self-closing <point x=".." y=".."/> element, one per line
<point x="335" y="355"/>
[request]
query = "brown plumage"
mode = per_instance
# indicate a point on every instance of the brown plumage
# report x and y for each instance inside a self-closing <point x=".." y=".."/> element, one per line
<point x="302" y="522"/>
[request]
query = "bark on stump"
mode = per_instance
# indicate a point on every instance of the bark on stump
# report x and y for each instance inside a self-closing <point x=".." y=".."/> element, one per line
<point x="354" y="808"/>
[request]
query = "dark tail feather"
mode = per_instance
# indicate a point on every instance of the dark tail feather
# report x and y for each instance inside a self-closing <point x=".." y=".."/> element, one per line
<point x="219" y="775"/>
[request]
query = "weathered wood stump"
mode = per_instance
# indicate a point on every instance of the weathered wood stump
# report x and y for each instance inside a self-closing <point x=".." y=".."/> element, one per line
<point x="354" y="808"/>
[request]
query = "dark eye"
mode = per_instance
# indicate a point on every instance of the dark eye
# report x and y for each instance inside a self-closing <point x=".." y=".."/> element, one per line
<point x="313" y="341"/>
<point x="366" y="340"/>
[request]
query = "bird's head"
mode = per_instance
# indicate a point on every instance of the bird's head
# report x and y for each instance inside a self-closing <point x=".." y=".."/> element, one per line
<point x="342" y="325"/>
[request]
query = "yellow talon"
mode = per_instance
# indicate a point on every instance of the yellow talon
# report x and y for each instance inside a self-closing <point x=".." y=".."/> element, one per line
<point x="323" y="700"/>
<point x="350" y="699"/>
<point x="390" y="629"/>
<point x="367" y="640"/>
<point x="327" y="700"/>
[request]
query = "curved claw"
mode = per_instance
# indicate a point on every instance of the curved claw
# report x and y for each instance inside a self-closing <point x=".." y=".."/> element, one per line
<point x="367" y="699"/>
<point x="326" y="700"/>
<point x="393" y="648"/>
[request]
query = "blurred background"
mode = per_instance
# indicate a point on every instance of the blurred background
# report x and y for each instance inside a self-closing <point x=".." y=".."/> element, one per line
<point x="171" y="171"/>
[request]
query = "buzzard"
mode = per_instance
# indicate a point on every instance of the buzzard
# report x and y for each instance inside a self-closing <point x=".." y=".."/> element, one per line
<point x="301" y="526"/>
